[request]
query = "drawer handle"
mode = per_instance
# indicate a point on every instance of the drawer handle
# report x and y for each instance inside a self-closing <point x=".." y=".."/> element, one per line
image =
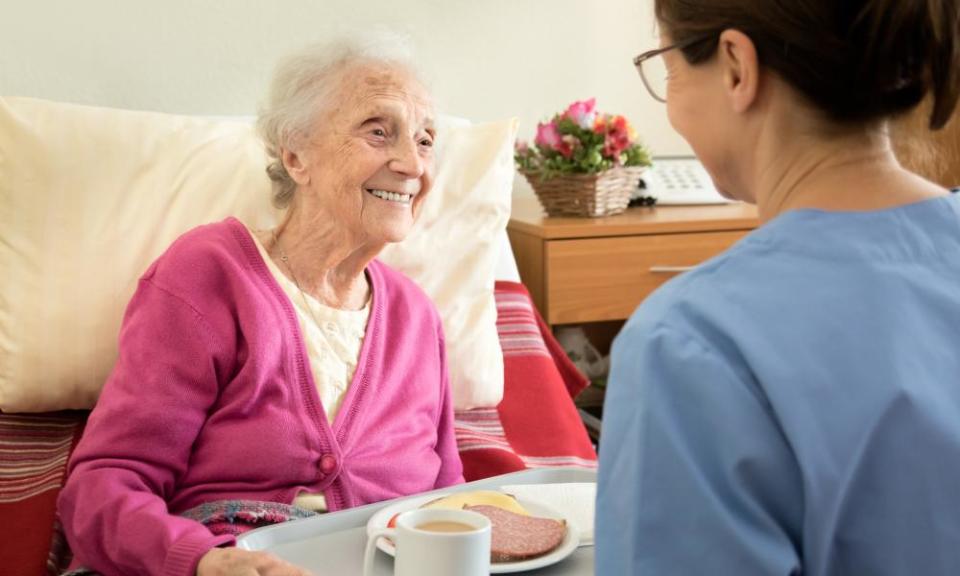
<point x="670" y="269"/>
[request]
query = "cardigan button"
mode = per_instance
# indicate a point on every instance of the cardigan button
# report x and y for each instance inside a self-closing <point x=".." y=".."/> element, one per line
<point x="328" y="463"/>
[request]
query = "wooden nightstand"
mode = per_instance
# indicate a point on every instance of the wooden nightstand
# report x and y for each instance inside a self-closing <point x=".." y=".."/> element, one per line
<point x="598" y="269"/>
<point x="595" y="271"/>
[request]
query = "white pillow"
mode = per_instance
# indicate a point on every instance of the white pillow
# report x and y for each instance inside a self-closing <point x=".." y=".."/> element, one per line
<point x="90" y="196"/>
<point x="452" y="252"/>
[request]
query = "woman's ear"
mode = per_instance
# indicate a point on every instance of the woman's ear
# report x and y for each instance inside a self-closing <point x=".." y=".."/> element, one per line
<point x="294" y="166"/>
<point x="737" y="57"/>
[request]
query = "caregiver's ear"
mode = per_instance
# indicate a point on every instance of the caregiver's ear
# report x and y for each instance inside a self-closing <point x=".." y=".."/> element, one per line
<point x="740" y="67"/>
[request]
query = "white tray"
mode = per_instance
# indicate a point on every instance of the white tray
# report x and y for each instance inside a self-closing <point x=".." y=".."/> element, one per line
<point x="334" y="543"/>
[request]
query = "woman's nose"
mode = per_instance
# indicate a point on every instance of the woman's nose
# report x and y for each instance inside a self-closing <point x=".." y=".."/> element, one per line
<point x="407" y="160"/>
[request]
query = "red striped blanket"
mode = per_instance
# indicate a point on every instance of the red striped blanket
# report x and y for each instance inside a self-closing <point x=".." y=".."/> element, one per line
<point x="536" y="425"/>
<point x="33" y="457"/>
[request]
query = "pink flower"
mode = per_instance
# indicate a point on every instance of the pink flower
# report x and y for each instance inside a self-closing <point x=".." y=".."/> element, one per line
<point x="547" y="136"/>
<point x="582" y="113"/>
<point x="579" y="139"/>
<point x="568" y="144"/>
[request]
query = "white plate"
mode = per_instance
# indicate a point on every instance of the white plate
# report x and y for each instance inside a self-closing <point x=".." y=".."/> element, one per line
<point x="570" y="541"/>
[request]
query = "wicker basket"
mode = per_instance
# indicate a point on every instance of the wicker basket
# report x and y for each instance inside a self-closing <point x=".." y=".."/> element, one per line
<point x="600" y="194"/>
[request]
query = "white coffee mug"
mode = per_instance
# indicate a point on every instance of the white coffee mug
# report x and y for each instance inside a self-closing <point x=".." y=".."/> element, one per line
<point x="436" y="542"/>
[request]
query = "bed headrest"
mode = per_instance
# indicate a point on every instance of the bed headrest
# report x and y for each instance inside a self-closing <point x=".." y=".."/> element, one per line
<point x="90" y="196"/>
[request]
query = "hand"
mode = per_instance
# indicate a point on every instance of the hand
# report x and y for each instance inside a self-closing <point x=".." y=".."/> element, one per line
<point x="236" y="562"/>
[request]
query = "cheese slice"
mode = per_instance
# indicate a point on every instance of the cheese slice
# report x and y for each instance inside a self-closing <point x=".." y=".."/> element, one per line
<point x="478" y="498"/>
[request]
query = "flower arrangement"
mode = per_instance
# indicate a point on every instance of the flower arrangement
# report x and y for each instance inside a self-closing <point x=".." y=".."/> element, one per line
<point x="582" y="162"/>
<point x="581" y="140"/>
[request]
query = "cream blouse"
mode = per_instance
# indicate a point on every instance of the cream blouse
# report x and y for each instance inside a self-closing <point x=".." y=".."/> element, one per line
<point x="333" y="342"/>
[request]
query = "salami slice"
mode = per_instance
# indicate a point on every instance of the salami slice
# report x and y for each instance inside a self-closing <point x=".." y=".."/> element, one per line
<point x="517" y="537"/>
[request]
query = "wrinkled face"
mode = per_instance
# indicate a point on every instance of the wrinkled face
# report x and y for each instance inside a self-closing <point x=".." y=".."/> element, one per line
<point x="369" y="160"/>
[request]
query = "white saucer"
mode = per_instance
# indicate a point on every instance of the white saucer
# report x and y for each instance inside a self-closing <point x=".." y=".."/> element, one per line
<point x="570" y="541"/>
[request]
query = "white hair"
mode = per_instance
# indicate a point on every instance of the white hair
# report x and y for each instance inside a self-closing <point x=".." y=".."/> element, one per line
<point x="302" y="86"/>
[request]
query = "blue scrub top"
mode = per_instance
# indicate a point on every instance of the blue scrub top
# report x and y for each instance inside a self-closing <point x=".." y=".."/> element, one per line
<point x="792" y="406"/>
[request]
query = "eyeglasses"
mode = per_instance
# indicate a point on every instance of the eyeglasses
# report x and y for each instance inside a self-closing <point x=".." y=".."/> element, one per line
<point x="653" y="70"/>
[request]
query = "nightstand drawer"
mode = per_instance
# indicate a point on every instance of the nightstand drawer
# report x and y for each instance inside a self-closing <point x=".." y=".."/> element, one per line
<point x="606" y="278"/>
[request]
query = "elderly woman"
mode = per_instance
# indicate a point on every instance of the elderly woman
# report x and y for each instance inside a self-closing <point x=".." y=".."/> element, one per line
<point x="793" y="405"/>
<point x="283" y="366"/>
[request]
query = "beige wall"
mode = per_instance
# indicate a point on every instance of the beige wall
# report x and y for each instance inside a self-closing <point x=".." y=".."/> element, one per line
<point x="487" y="59"/>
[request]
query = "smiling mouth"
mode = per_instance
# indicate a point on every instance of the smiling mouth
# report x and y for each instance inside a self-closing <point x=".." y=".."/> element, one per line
<point x="391" y="196"/>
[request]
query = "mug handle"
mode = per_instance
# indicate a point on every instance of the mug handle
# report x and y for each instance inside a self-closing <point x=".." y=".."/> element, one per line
<point x="371" y="549"/>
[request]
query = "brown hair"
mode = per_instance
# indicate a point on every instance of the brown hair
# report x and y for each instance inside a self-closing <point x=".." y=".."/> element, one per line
<point x="856" y="60"/>
<point x="933" y="155"/>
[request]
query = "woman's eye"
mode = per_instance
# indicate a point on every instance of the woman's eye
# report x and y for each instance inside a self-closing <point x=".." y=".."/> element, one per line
<point x="379" y="132"/>
<point x="426" y="143"/>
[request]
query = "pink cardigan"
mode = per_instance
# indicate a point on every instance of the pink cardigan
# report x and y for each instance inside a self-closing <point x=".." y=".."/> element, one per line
<point x="212" y="398"/>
